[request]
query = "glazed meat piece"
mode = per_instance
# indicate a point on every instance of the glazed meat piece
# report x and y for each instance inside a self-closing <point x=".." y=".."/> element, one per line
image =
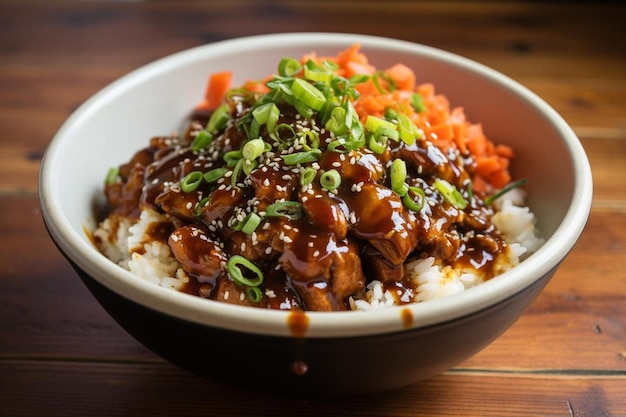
<point x="381" y="219"/>
<point x="124" y="196"/>
<point x="195" y="249"/>
<point x="323" y="270"/>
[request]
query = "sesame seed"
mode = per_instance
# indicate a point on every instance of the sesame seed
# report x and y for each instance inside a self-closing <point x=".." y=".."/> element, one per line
<point x="316" y="253"/>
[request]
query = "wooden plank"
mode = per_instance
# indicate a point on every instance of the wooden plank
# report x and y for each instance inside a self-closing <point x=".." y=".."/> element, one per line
<point x="75" y="388"/>
<point x="47" y="312"/>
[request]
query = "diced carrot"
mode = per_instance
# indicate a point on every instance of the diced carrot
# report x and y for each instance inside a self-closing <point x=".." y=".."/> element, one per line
<point x="426" y="90"/>
<point x="457" y="118"/>
<point x="219" y="83"/>
<point x="504" y="151"/>
<point x="500" y="178"/>
<point x="402" y="76"/>
<point x="256" y="86"/>
<point x="442" y="131"/>
<point x="353" y="68"/>
<point x="487" y="165"/>
<point x="479" y="184"/>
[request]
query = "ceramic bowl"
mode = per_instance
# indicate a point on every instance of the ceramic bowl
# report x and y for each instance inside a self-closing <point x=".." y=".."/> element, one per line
<point x="316" y="353"/>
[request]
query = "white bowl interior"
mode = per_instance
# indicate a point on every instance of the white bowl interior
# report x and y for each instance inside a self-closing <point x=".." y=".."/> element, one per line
<point x="155" y="99"/>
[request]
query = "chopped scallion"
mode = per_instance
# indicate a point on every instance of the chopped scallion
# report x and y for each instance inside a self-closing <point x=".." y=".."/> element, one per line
<point x="234" y="265"/>
<point x="308" y="94"/>
<point x="505" y="190"/>
<point x="450" y="193"/>
<point x="201" y="141"/>
<point x="191" y="181"/>
<point x="307" y="175"/>
<point x="409" y="199"/>
<point x="249" y="223"/>
<point x="111" y="176"/>
<point x="253" y="149"/>
<point x="330" y="180"/>
<point x="214" y="174"/>
<point x="290" y="209"/>
<point x="288" y="67"/>
<point x="398" y="172"/>
<point x="302" y="157"/>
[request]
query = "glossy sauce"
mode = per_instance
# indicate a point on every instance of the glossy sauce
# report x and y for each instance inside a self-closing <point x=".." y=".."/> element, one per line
<point x="311" y="262"/>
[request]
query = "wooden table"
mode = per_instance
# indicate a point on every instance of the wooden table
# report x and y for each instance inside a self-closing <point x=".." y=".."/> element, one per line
<point x="61" y="355"/>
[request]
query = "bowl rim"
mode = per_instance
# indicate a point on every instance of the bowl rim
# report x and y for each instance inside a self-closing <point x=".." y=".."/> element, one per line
<point x="320" y="324"/>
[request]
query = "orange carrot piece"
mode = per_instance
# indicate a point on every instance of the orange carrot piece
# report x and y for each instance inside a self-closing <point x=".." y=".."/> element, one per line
<point x="500" y="178"/>
<point x="442" y="132"/>
<point x="487" y="165"/>
<point x="219" y="83"/>
<point x="402" y="76"/>
<point x="504" y="151"/>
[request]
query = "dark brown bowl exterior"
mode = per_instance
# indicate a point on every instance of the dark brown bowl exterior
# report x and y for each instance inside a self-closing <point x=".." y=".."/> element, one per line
<point x="312" y="367"/>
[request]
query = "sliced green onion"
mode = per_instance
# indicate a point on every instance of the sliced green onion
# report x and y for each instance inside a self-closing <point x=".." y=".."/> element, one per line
<point x="308" y="94"/>
<point x="232" y="157"/>
<point x="407" y="129"/>
<point x="397" y="171"/>
<point x="201" y="204"/>
<point x="249" y="223"/>
<point x="214" y="174"/>
<point x="450" y="193"/>
<point x="191" y="181"/>
<point x="378" y="144"/>
<point x="236" y="171"/>
<point x="233" y="266"/>
<point x="201" y="141"/>
<point x="248" y="166"/>
<point x="302" y="157"/>
<point x="317" y="73"/>
<point x="373" y="123"/>
<point x="307" y="175"/>
<point x="281" y="138"/>
<point x="505" y="190"/>
<point x="218" y="119"/>
<point x="288" y="67"/>
<point x="338" y="145"/>
<point x="311" y="139"/>
<point x="337" y="121"/>
<point x="111" y="176"/>
<point x="254" y="294"/>
<point x="267" y="114"/>
<point x="253" y="149"/>
<point x="409" y="200"/>
<point x="290" y="209"/>
<point x="254" y="130"/>
<point x="417" y="102"/>
<point x="330" y="180"/>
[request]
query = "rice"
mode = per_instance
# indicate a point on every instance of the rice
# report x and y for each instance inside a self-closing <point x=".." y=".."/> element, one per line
<point x="143" y="255"/>
<point x="128" y="244"/>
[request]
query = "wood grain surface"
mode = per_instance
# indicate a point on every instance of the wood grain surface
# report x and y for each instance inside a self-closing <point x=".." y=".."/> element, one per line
<point x="62" y="355"/>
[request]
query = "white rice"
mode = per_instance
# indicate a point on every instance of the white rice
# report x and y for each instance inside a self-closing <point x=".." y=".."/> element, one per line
<point x="141" y="254"/>
<point x="152" y="260"/>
